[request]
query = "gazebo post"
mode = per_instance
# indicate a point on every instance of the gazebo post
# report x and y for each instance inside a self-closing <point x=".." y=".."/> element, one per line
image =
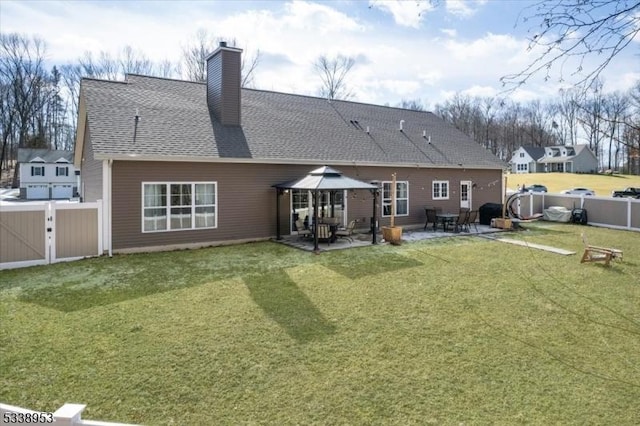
<point x="315" y="222"/>
<point x="278" y="194"/>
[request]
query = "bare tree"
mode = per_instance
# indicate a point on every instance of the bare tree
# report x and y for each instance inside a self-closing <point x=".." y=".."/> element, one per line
<point x="577" y="29"/>
<point x="333" y="72"/>
<point x="412" y="104"/>
<point x="23" y="79"/>
<point x="194" y="57"/>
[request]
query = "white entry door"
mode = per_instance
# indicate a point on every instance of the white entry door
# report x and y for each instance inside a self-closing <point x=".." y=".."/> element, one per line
<point x="465" y="194"/>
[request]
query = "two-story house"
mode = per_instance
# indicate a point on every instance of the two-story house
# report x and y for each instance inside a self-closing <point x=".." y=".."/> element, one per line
<point x="46" y="174"/>
<point x="563" y="159"/>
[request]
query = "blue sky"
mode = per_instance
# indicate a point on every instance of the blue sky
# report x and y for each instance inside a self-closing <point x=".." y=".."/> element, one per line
<point x="404" y="50"/>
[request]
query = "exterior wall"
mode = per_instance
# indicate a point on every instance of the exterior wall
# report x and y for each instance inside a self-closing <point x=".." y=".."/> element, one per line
<point x="585" y="163"/>
<point x="516" y="159"/>
<point x="90" y="172"/>
<point x="247" y="201"/>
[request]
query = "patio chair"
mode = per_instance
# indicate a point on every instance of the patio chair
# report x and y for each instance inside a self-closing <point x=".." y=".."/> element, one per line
<point x="462" y="221"/>
<point x="431" y="218"/>
<point x="599" y="254"/>
<point x="302" y="231"/>
<point x="471" y="220"/>
<point x="324" y="232"/>
<point x="347" y="232"/>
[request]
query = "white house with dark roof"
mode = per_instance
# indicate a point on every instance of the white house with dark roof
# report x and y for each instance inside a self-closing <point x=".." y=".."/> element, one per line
<point x="564" y="159"/>
<point x="181" y="164"/>
<point x="46" y="174"/>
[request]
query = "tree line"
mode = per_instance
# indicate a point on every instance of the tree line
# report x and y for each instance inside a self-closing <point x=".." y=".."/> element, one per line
<point x="608" y="122"/>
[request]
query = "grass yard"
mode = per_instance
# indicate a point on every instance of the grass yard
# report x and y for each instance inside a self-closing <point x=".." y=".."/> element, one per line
<point x="455" y="330"/>
<point x="556" y="182"/>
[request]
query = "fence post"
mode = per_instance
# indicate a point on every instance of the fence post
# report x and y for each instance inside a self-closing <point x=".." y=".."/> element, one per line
<point x="69" y="414"/>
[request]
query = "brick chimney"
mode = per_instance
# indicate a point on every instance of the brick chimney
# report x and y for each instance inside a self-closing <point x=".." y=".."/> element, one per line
<point x="223" y="84"/>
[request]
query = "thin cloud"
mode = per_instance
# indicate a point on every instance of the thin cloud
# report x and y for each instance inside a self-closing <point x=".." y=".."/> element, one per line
<point x="405" y="13"/>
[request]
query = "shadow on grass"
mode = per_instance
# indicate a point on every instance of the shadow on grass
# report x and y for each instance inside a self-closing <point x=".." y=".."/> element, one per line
<point x="367" y="264"/>
<point x="280" y="298"/>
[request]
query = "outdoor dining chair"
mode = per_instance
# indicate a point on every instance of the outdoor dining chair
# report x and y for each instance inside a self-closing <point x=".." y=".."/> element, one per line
<point x="431" y="218"/>
<point x="471" y="220"/>
<point x="462" y="221"/>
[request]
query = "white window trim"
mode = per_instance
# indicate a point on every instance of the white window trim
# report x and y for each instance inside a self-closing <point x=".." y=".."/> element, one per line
<point x="440" y="182"/>
<point x="382" y="204"/>
<point x="34" y="168"/>
<point x="64" y="168"/>
<point x="168" y="206"/>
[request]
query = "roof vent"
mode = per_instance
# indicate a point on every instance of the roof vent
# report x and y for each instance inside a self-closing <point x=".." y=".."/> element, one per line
<point x="367" y="129"/>
<point x="223" y="44"/>
<point x="401" y="124"/>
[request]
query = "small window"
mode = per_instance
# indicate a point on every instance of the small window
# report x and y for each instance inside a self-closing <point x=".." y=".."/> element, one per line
<point x="62" y="171"/>
<point x="522" y="155"/>
<point x="37" y="170"/>
<point x="440" y="190"/>
<point x="402" y="198"/>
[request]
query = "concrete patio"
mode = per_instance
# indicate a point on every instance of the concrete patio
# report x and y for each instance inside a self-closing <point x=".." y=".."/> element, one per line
<point x="363" y="238"/>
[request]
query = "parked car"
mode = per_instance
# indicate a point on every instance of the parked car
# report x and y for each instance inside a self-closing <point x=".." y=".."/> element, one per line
<point x="579" y="191"/>
<point x="534" y="188"/>
<point x="627" y="192"/>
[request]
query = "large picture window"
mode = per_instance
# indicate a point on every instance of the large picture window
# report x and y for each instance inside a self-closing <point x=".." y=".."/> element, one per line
<point x="440" y="189"/>
<point x="176" y="206"/>
<point x="402" y="198"/>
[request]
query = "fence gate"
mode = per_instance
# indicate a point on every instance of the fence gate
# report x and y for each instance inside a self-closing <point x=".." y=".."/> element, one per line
<point x="48" y="232"/>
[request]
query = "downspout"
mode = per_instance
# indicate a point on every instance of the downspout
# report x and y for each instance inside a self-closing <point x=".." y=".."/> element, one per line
<point x="108" y="207"/>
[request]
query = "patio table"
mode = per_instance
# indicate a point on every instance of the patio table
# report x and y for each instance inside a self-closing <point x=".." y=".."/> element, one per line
<point x="445" y="219"/>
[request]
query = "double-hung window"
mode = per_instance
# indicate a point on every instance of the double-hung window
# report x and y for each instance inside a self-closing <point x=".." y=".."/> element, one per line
<point x="37" y="170"/>
<point x="62" y="171"/>
<point x="176" y="206"/>
<point x="440" y="190"/>
<point x="402" y="198"/>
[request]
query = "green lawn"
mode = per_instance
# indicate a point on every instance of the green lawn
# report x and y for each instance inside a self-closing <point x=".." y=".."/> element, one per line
<point x="556" y="182"/>
<point x="449" y="331"/>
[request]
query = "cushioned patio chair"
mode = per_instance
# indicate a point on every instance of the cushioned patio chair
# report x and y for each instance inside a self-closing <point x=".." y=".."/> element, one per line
<point x="324" y="232"/>
<point x="302" y="231"/>
<point x="347" y="232"/>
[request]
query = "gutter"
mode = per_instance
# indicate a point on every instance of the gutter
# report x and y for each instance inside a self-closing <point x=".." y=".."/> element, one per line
<point x="286" y="161"/>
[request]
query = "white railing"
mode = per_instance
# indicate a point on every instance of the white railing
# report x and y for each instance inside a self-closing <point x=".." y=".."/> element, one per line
<point x="67" y="415"/>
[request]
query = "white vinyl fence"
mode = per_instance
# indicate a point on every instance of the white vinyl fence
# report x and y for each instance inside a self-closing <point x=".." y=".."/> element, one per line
<point x="609" y="212"/>
<point x="67" y="415"/>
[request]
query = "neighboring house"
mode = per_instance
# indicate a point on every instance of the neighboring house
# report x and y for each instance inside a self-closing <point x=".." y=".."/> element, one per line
<point x="46" y="174"/>
<point x="564" y="159"/>
<point x="185" y="164"/>
<point x="525" y="160"/>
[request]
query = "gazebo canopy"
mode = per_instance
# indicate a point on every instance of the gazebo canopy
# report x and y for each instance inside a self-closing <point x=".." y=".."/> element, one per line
<point x="325" y="179"/>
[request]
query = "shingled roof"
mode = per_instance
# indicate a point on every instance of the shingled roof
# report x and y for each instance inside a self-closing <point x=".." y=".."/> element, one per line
<point x="175" y="124"/>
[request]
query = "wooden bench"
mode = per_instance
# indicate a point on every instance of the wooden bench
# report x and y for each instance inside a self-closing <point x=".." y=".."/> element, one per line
<point x="599" y="254"/>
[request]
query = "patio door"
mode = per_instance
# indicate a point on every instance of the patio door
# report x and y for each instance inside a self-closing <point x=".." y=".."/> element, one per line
<point x="465" y="194"/>
<point x="331" y="204"/>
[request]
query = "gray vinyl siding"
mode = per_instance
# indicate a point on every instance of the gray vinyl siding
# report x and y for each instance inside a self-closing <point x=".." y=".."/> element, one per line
<point x="247" y="202"/>
<point x="91" y="171"/>
<point x="585" y="162"/>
